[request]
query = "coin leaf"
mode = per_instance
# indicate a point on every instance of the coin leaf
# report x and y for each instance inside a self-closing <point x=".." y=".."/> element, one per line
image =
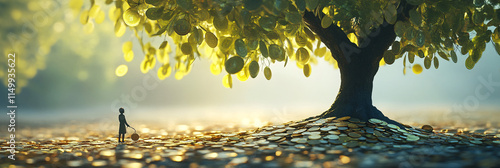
<point x="234" y="64"/>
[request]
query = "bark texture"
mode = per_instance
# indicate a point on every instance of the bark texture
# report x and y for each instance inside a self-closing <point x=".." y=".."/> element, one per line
<point x="358" y="66"/>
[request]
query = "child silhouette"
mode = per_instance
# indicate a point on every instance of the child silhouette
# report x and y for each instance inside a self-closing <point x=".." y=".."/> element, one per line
<point x="123" y="129"/>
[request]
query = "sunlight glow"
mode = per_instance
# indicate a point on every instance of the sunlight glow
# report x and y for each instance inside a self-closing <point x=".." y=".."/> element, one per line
<point x="344" y="159"/>
<point x="181" y="128"/>
<point x="145" y="130"/>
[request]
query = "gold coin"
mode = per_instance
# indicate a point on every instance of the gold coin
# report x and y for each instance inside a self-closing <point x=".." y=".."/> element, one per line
<point x="378" y="133"/>
<point x="352" y="125"/>
<point x="314" y="136"/>
<point x="274" y="138"/>
<point x="330" y="118"/>
<point x="402" y="131"/>
<point x="352" y="144"/>
<point x="325" y="128"/>
<point x="331" y="137"/>
<point x="412" y="138"/>
<point x="392" y="126"/>
<point x="314" y="133"/>
<point x="269" y="128"/>
<point x="131" y="17"/>
<point x="289" y="128"/>
<point x="334" y="132"/>
<point x="279" y="130"/>
<point x="385" y="139"/>
<point x="306" y="133"/>
<point x="375" y="121"/>
<point x="267" y="73"/>
<point x="354" y="135"/>
<point x="302" y="140"/>
<point x="299" y="131"/>
<point x="182" y="27"/>
<point x="211" y="39"/>
<point x="342" y="124"/>
<point x="427" y="128"/>
<point x="476" y="142"/>
<point x="300" y="146"/>
<point x="370" y="136"/>
<point x="313" y="129"/>
<point x="368" y="130"/>
<point x="344" y="118"/>
<point x="342" y="128"/>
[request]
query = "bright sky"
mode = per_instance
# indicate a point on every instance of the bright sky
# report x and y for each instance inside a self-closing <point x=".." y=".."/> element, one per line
<point x="288" y="93"/>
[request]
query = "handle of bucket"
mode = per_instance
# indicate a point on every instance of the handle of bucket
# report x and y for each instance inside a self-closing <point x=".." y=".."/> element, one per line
<point x="133" y="129"/>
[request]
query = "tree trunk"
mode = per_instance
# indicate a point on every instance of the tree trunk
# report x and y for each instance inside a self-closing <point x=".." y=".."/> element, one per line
<point x="355" y="95"/>
<point x="358" y="65"/>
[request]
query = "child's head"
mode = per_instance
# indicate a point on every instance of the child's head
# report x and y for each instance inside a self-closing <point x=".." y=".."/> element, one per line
<point x="122" y="110"/>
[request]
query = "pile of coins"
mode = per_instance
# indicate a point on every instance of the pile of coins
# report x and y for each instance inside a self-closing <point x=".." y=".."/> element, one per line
<point x="353" y="133"/>
<point x="316" y="142"/>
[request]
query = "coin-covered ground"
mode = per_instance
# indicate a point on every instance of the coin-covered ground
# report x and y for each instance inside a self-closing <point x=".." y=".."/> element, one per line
<point x="331" y="142"/>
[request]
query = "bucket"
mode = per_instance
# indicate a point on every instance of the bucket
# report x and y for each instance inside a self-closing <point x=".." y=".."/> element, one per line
<point x="134" y="136"/>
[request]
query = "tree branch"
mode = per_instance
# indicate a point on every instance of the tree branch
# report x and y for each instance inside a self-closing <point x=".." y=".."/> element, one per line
<point x="380" y="40"/>
<point x="383" y="37"/>
<point x="333" y="37"/>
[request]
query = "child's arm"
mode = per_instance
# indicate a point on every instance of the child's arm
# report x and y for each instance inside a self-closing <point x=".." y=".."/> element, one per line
<point x="125" y="120"/>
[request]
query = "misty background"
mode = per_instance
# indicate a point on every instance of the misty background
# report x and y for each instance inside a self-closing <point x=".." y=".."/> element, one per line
<point x="79" y="84"/>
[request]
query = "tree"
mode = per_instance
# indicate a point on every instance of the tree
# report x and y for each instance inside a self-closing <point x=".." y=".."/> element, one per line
<point x="244" y="37"/>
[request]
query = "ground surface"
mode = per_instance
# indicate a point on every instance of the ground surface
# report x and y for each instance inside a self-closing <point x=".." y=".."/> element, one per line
<point x="333" y="142"/>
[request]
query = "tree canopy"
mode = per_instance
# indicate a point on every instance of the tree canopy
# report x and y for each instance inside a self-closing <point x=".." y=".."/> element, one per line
<point x="244" y="37"/>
